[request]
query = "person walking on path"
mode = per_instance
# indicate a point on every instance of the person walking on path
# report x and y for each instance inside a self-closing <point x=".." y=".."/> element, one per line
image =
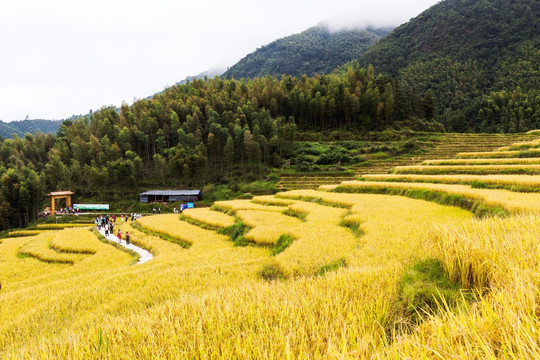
<point x="119" y="236"/>
<point x="127" y="237"/>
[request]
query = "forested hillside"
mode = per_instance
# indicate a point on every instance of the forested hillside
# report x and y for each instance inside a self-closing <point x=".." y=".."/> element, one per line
<point x="28" y="126"/>
<point x="314" y="51"/>
<point x="479" y="58"/>
<point x="474" y="65"/>
<point x="205" y="131"/>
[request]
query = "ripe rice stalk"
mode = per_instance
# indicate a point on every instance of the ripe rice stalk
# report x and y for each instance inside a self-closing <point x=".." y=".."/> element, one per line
<point x="209" y="217"/>
<point x="235" y="205"/>
<point x="480" y="161"/>
<point x="500" y="154"/>
<point x="40" y="248"/>
<point x="208" y="301"/>
<point x="171" y="225"/>
<point x="267" y="227"/>
<point x="271" y="200"/>
<point x="511" y="201"/>
<point x="469" y="169"/>
<point x="524" y="181"/>
<point x="22" y="233"/>
<point x="72" y="241"/>
<point x="61" y="226"/>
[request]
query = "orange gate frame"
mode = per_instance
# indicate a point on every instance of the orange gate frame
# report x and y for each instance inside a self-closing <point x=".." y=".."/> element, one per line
<point x="60" y="195"/>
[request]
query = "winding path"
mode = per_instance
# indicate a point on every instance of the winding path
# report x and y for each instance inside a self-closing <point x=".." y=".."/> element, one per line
<point x="144" y="255"/>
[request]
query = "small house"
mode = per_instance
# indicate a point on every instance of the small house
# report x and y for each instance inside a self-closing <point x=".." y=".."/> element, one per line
<point x="163" y="196"/>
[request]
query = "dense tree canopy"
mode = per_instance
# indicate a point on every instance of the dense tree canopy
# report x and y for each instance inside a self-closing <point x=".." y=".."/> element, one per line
<point x="314" y="51"/>
<point x="22" y="127"/>
<point x="207" y="130"/>
<point x="468" y="53"/>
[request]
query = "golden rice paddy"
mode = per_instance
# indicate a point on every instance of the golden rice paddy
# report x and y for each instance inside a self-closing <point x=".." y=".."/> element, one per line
<point x="483" y="161"/>
<point x="498" y="154"/>
<point x="334" y="291"/>
<point x="531" y="181"/>
<point x="209" y="217"/>
<point x="514" y="202"/>
<point x="468" y="169"/>
<point x="263" y="223"/>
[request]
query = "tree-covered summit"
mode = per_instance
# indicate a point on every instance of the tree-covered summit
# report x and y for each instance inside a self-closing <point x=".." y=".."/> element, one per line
<point x="28" y="126"/>
<point x="316" y="50"/>
<point x="479" y="30"/>
<point x="479" y="58"/>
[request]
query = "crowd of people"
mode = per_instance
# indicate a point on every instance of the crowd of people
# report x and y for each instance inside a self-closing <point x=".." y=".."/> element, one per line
<point x="67" y="210"/>
<point x="106" y="223"/>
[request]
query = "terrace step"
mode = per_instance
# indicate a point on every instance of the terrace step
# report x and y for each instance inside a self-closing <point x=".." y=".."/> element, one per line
<point x="446" y="148"/>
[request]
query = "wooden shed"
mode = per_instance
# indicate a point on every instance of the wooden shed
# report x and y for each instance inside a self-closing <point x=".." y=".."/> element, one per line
<point x="163" y="196"/>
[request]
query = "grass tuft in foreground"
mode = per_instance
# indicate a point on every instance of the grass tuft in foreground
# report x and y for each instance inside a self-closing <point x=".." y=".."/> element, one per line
<point x="423" y="288"/>
<point x="341" y="263"/>
<point x="272" y="271"/>
<point x="283" y="242"/>
<point x="236" y="233"/>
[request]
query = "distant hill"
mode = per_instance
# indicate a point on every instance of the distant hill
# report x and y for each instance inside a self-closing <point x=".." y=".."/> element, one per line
<point x="28" y="126"/>
<point x="316" y="50"/>
<point x="463" y="51"/>
<point x="481" y="30"/>
<point x="208" y="73"/>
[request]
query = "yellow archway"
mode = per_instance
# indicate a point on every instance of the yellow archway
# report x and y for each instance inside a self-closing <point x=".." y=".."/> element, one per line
<point x="60" y="195"/>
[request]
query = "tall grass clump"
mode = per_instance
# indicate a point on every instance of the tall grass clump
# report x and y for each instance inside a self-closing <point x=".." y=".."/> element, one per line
<point x="498" y="259"/>
<point x="424" y="286"/>
<point x="236" y="233"/>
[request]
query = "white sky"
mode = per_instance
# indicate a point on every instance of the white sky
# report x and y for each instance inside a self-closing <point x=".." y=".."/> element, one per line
<point x="65" y="57"/>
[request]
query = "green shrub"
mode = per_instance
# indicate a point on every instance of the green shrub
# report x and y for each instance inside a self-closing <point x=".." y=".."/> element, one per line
<point x="331" y="267"/>
<point x="241" y="241"/>
<point x="272" y="271"/>
<point x="424" y="287"/>
<point x="333" y="157"/>
<point x="476" y="184"/>
<point x="236" y="233"/>
<point x="283" y="242"/>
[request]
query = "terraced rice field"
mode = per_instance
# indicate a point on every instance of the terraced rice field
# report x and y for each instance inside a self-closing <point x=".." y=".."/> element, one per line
<point x="209" y="217"/>
<point x="531" y="182"/>
<point x="313" y="180"/>
<point x="447" y="147"/>
<point x="427" y="268"/>
<point x="499" y="154"/>
<point x="483" y="161"/>
<point x="204" y="297"/>
<point x="496" y="253"/>
<point x="469" y="169"/>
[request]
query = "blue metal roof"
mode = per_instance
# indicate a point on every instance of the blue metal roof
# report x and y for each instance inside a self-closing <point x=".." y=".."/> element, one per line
<point x="171" y="192"/>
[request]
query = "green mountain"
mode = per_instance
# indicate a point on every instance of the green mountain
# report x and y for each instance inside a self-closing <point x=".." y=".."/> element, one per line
<point x="314" y="51"/>
<point x="479" y="60"/>
<point x="28" y="126"/>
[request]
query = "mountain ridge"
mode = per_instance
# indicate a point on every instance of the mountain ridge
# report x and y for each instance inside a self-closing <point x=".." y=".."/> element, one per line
<point x="21" y="127"/>
<point x="479" y="60"/>
<point x="315" y="50"/>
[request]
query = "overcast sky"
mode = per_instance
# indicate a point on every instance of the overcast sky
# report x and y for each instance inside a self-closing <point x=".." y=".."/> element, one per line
<point x="65" y="57"/>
